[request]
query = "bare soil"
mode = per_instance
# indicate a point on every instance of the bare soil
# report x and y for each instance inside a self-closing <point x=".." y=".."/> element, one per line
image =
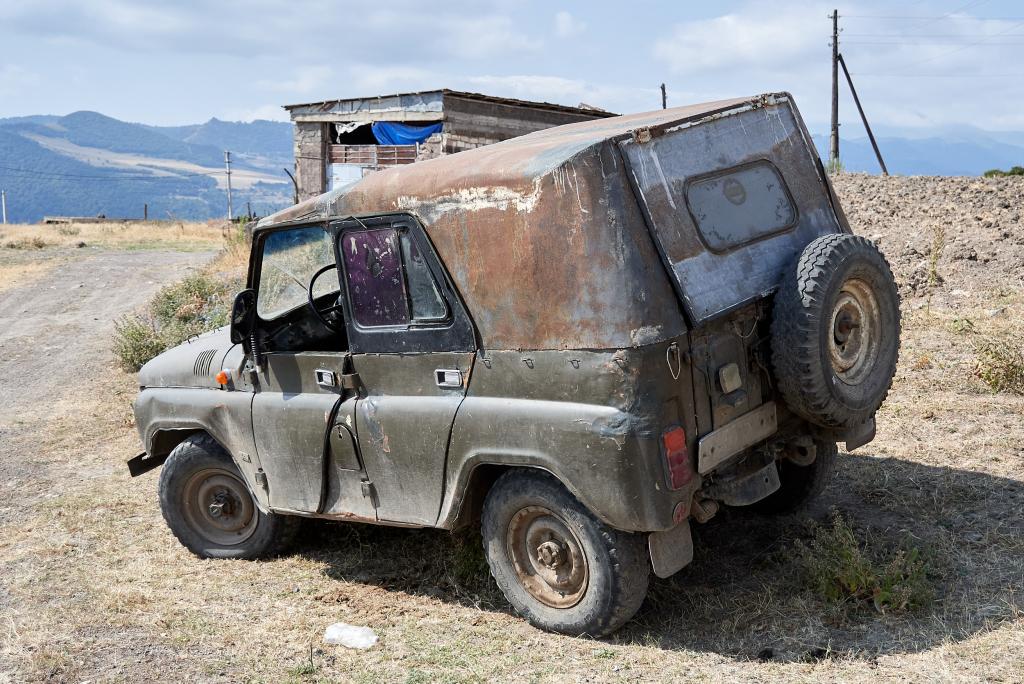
<point x="94" y="587"/>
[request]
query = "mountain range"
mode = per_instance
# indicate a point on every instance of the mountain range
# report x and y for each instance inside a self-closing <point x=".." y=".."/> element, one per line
<point x="86" y="164"/>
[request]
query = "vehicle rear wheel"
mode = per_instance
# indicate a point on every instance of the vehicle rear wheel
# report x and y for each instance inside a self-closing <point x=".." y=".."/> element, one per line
<point x="836" y="331"/>
<point x="801" y="484"/>
<point x="557" y="564"/>
<point x="210" y="510"/>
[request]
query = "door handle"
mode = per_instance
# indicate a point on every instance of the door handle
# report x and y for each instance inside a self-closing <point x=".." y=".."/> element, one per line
<point x="326" y="378"/>
<point x="448" y="378"/>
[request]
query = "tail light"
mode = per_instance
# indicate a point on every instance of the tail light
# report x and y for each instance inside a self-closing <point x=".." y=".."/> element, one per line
<point x="677" y="458"/>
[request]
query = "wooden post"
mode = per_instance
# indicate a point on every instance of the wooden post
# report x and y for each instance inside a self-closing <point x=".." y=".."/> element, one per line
<point x="3" y="203"/>
<point x="145" y="212"/>
<point x="664" y="97"/>
<point x="833" y="151"/>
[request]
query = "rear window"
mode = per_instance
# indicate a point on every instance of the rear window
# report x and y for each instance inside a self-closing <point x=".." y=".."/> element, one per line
<point x="739" y="205"/>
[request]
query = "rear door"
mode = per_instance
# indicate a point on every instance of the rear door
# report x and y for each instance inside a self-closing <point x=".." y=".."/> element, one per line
<point x="730" y="199"/>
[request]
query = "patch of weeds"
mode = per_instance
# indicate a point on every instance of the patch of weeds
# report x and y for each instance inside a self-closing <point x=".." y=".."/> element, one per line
<point x="834" y="166"/>
<point x="851" y="574"/>
<point x="923" y="362"/>
<point x="69" y="231"/>
<point x="469" y="565"/>
<point x="932" y="279"/>
<point x="136" y="341"/>
<point x="938" y="244"/>
<point x="195" y="305"/>
<point x="1000" y="365"/>
<point x="299" y="673"/>
<point x="34" y="242"/>
<point x="962" y="326"/>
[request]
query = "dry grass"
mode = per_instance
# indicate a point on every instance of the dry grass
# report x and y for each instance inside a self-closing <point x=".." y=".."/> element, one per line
<point x="93" y="585"/>
<point x="115" y="235"/>
<point x="15" y="274"/>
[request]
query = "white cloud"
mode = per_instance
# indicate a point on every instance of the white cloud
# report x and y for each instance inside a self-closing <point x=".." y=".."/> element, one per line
<point x="487" y="36"/>
<point x="905" y="74"/>
<point x="566" y="26"/>
<point x="565" y="91"/>
<point x="14" y="78"/>
<point x="781" y="38"/>
<point x="306" y="80"/>
<point x="268" y="112"/>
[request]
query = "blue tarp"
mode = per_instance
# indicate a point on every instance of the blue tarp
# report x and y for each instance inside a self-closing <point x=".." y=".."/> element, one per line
<point x="401" y="134"/>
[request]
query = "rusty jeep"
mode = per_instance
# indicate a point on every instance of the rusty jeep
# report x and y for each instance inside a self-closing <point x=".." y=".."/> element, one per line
<point x="582" y="340"/>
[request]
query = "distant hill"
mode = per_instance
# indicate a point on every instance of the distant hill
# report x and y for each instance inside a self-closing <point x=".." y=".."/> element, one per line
<point x="931" y="156"/>
<point x="86" y="163"/>
<point x="270" y="141"/>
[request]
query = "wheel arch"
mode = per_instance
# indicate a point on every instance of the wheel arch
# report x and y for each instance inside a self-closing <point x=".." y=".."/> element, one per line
<point x="466" y="509"/>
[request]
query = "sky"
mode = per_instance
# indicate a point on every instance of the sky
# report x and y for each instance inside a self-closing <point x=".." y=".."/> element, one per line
<point x="919" y="65"/>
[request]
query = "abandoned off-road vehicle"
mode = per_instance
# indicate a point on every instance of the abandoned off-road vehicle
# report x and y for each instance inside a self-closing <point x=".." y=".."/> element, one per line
<point x="581" y="339"/>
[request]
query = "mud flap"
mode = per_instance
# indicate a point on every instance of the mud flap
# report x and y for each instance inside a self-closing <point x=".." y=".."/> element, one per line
<point x="671" y="550"/>
<point x="143" y="464"/>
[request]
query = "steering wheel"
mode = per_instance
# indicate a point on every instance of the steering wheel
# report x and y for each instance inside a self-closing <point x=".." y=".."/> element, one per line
<point x="322" y="313"/>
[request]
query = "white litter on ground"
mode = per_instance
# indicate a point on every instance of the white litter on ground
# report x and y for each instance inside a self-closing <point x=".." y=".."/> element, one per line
<point x="350" y="636"/>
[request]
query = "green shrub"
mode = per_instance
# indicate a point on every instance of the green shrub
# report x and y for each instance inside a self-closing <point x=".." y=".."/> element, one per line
<point x="136" y="341"/>
<point x="997" y="173"/>
<point x="1000" y="365"/>
<point x="844" y="571"/>
<point x="177" y="312"/>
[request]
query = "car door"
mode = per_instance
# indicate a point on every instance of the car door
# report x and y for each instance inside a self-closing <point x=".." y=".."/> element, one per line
<point x="412" y="347"/>
<point x="304" y="405"/>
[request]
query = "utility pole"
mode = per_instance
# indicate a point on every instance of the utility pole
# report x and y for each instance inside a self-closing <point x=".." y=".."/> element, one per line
<point x="3" y="203"/>
<point x="227" y="166"/>
<point x="833" y="151"/>
<point x="664" y="97"/>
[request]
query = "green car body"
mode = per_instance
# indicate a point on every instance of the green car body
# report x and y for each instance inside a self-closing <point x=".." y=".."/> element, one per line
<point x="594" y="301"/>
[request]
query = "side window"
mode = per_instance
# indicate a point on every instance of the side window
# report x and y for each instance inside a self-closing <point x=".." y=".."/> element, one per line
<point x="389" y="282"/>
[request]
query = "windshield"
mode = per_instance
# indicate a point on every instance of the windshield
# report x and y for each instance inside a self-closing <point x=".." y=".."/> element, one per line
<point x="290" y="258"/>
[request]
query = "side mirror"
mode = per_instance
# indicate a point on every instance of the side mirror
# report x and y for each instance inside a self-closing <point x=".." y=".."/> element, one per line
<point x="243" y="316"/>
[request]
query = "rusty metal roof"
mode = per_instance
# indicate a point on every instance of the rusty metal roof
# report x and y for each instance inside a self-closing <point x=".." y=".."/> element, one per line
<point x="513" y="163"/>
<point x="444" y="92"/>
<point x="542" y="234"/>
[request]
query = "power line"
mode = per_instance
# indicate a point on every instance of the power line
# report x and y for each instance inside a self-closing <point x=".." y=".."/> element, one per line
<point x="909" y="17"/>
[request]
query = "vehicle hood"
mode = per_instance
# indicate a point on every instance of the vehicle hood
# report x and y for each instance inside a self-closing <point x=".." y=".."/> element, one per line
<point x="191" y="364"/>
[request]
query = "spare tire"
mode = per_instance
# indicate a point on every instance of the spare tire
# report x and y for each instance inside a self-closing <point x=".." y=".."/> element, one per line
<point x="836" y="331"/>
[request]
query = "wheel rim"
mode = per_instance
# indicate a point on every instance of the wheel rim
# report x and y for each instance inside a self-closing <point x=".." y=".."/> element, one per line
<point x="855" y="332"/>
<point x="219" y="507"/>
<point x="548" y="558"/>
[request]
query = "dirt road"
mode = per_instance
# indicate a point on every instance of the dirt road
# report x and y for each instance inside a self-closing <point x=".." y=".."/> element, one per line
<point x="55" y="337"/>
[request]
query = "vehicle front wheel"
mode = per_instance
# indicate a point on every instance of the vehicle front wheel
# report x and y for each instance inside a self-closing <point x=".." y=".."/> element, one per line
<point x="558" y="565"/>
<point x="210" y="510"/>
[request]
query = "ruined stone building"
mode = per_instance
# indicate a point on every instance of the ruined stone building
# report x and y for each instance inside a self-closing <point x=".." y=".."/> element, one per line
<point x="338" y="141"/>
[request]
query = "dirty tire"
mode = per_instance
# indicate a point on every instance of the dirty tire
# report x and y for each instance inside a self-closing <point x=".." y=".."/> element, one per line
<point x="801" y="484"/>
<point x="200" y="471"/>
<point x="836" y="331"/>
<point x="617" y="569"/>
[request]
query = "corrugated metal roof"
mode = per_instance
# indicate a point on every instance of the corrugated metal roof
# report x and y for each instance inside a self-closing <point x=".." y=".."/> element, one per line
<point x="445" y="92"/>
